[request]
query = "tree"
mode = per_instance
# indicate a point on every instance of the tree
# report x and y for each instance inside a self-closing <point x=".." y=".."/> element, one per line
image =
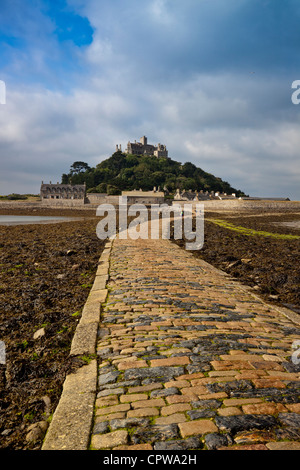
<point x="132" y="160"/>
<point x="158" y="178"/>
<point x="126" y="172"/>
<point x="101" y="188"/>
<point x="181" y="182"/>
<point x="189" y="170"/>
<point x="64" y="179"/>
<point x="115" y="163"/>
<point x="79" y="167"/>
<point x="113" y="190"/>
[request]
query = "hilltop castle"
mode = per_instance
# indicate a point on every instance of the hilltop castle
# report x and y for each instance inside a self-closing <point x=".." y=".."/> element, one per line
<point x="143" y="148"/>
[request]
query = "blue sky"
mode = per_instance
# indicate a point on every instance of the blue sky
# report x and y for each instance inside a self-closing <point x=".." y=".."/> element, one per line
<point x="211" y="79"/>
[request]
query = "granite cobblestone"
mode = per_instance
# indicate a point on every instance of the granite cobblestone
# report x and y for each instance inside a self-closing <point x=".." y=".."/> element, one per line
<point x="190" y="359"/>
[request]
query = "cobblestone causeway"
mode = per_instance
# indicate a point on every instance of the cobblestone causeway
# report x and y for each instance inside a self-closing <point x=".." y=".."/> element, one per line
<point x="190" y="359"/>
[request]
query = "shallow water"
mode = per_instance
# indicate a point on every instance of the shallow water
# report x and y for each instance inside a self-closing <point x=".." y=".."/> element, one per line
<point x="294" y="224"/>
<point x="31" y="219"/>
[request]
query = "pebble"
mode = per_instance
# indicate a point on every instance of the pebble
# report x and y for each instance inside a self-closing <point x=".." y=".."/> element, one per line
<point x="39" y="333"/>
<point x="36" y="431"/>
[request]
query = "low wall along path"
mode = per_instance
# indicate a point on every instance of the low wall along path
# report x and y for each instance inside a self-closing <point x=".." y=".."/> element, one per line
<point x="187" y="358"/>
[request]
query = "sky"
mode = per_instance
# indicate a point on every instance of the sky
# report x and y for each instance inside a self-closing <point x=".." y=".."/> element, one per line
<point x="210" y="79"/>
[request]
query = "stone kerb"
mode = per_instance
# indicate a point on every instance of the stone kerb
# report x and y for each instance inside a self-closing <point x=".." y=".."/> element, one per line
<point x="72" y="420"/>
<point x="84" y="341"/>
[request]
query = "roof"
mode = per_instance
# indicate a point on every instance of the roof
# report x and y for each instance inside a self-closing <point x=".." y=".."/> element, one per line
<point x="143" y="193"/>
<point x="63" y="186"/>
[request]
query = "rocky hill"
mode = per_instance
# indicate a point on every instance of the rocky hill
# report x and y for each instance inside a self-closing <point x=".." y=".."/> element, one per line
<point x="127" y="172"/>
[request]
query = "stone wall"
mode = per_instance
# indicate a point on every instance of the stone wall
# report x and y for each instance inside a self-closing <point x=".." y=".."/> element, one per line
<point x="244" y="206"/>
<point x="226" y="206"/>
<point x="95" y="199"/>
<point x="63" y="202"/>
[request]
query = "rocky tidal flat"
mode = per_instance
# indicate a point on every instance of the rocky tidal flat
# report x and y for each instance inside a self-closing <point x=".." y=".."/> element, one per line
<point x="269" y="265"/>
<point x="46" y="272"/>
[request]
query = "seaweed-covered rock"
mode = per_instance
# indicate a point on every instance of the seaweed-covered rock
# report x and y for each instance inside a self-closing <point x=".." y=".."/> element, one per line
<point x="233" y="424"/>
<point x="214" y="440"/>
<point x="192" y="443"/>
<point x="152" y="434"/>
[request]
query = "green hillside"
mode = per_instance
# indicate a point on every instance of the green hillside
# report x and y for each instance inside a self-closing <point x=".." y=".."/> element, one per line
<point x="127" y="172"/>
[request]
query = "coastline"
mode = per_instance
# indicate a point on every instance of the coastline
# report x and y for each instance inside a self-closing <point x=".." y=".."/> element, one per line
<point x="46" y="275"/>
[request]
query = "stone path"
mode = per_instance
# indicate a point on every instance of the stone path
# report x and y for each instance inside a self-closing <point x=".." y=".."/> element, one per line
<point x="191" y="359"/>
<point x="179" y="357"/>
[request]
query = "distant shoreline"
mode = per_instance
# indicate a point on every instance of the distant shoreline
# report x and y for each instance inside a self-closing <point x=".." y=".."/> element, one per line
<point x="12" y="220"/>
<point x="234" y="206"/>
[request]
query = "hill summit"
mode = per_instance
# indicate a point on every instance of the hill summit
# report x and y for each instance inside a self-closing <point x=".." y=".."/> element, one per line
<point x="125" y="172"/>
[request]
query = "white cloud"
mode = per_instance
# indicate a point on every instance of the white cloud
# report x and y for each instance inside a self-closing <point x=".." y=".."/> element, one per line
<point x="99" y="52"/>
<point x="196" y="122"/>
<point x="161" y="11"/>
<point x="134" y="80"/>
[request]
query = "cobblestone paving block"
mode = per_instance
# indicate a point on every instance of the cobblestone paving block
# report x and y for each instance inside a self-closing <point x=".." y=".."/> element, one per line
<point x="283" y="445"/>
<point x="230" y="411"/>
<point x="108" y="441"/>
<point x="192" y="443"/>
<point x="200" y="427"/>
<point x="188" y="358"/>
<point x="214" y="441"/>
<point x="245" y="447"/>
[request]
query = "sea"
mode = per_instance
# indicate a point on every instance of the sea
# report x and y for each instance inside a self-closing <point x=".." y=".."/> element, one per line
<point x="31" y="219"/>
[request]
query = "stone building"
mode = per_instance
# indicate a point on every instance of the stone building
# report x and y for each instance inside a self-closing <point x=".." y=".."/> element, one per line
<point x="192" y="195"/>
<point x="144" y="197"/>
<point x="200" y="195"/>
<point x="58" y="193"/>
<point x="67" y="195"/>
<point x="143" y="148"/>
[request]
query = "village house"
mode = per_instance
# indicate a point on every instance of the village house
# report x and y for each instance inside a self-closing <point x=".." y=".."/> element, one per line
<point x="144" y="197"/>
<point x="200" y="195"/>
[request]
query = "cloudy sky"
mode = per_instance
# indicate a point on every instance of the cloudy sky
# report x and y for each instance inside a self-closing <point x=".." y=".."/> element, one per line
<point x="211" y="79"/>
